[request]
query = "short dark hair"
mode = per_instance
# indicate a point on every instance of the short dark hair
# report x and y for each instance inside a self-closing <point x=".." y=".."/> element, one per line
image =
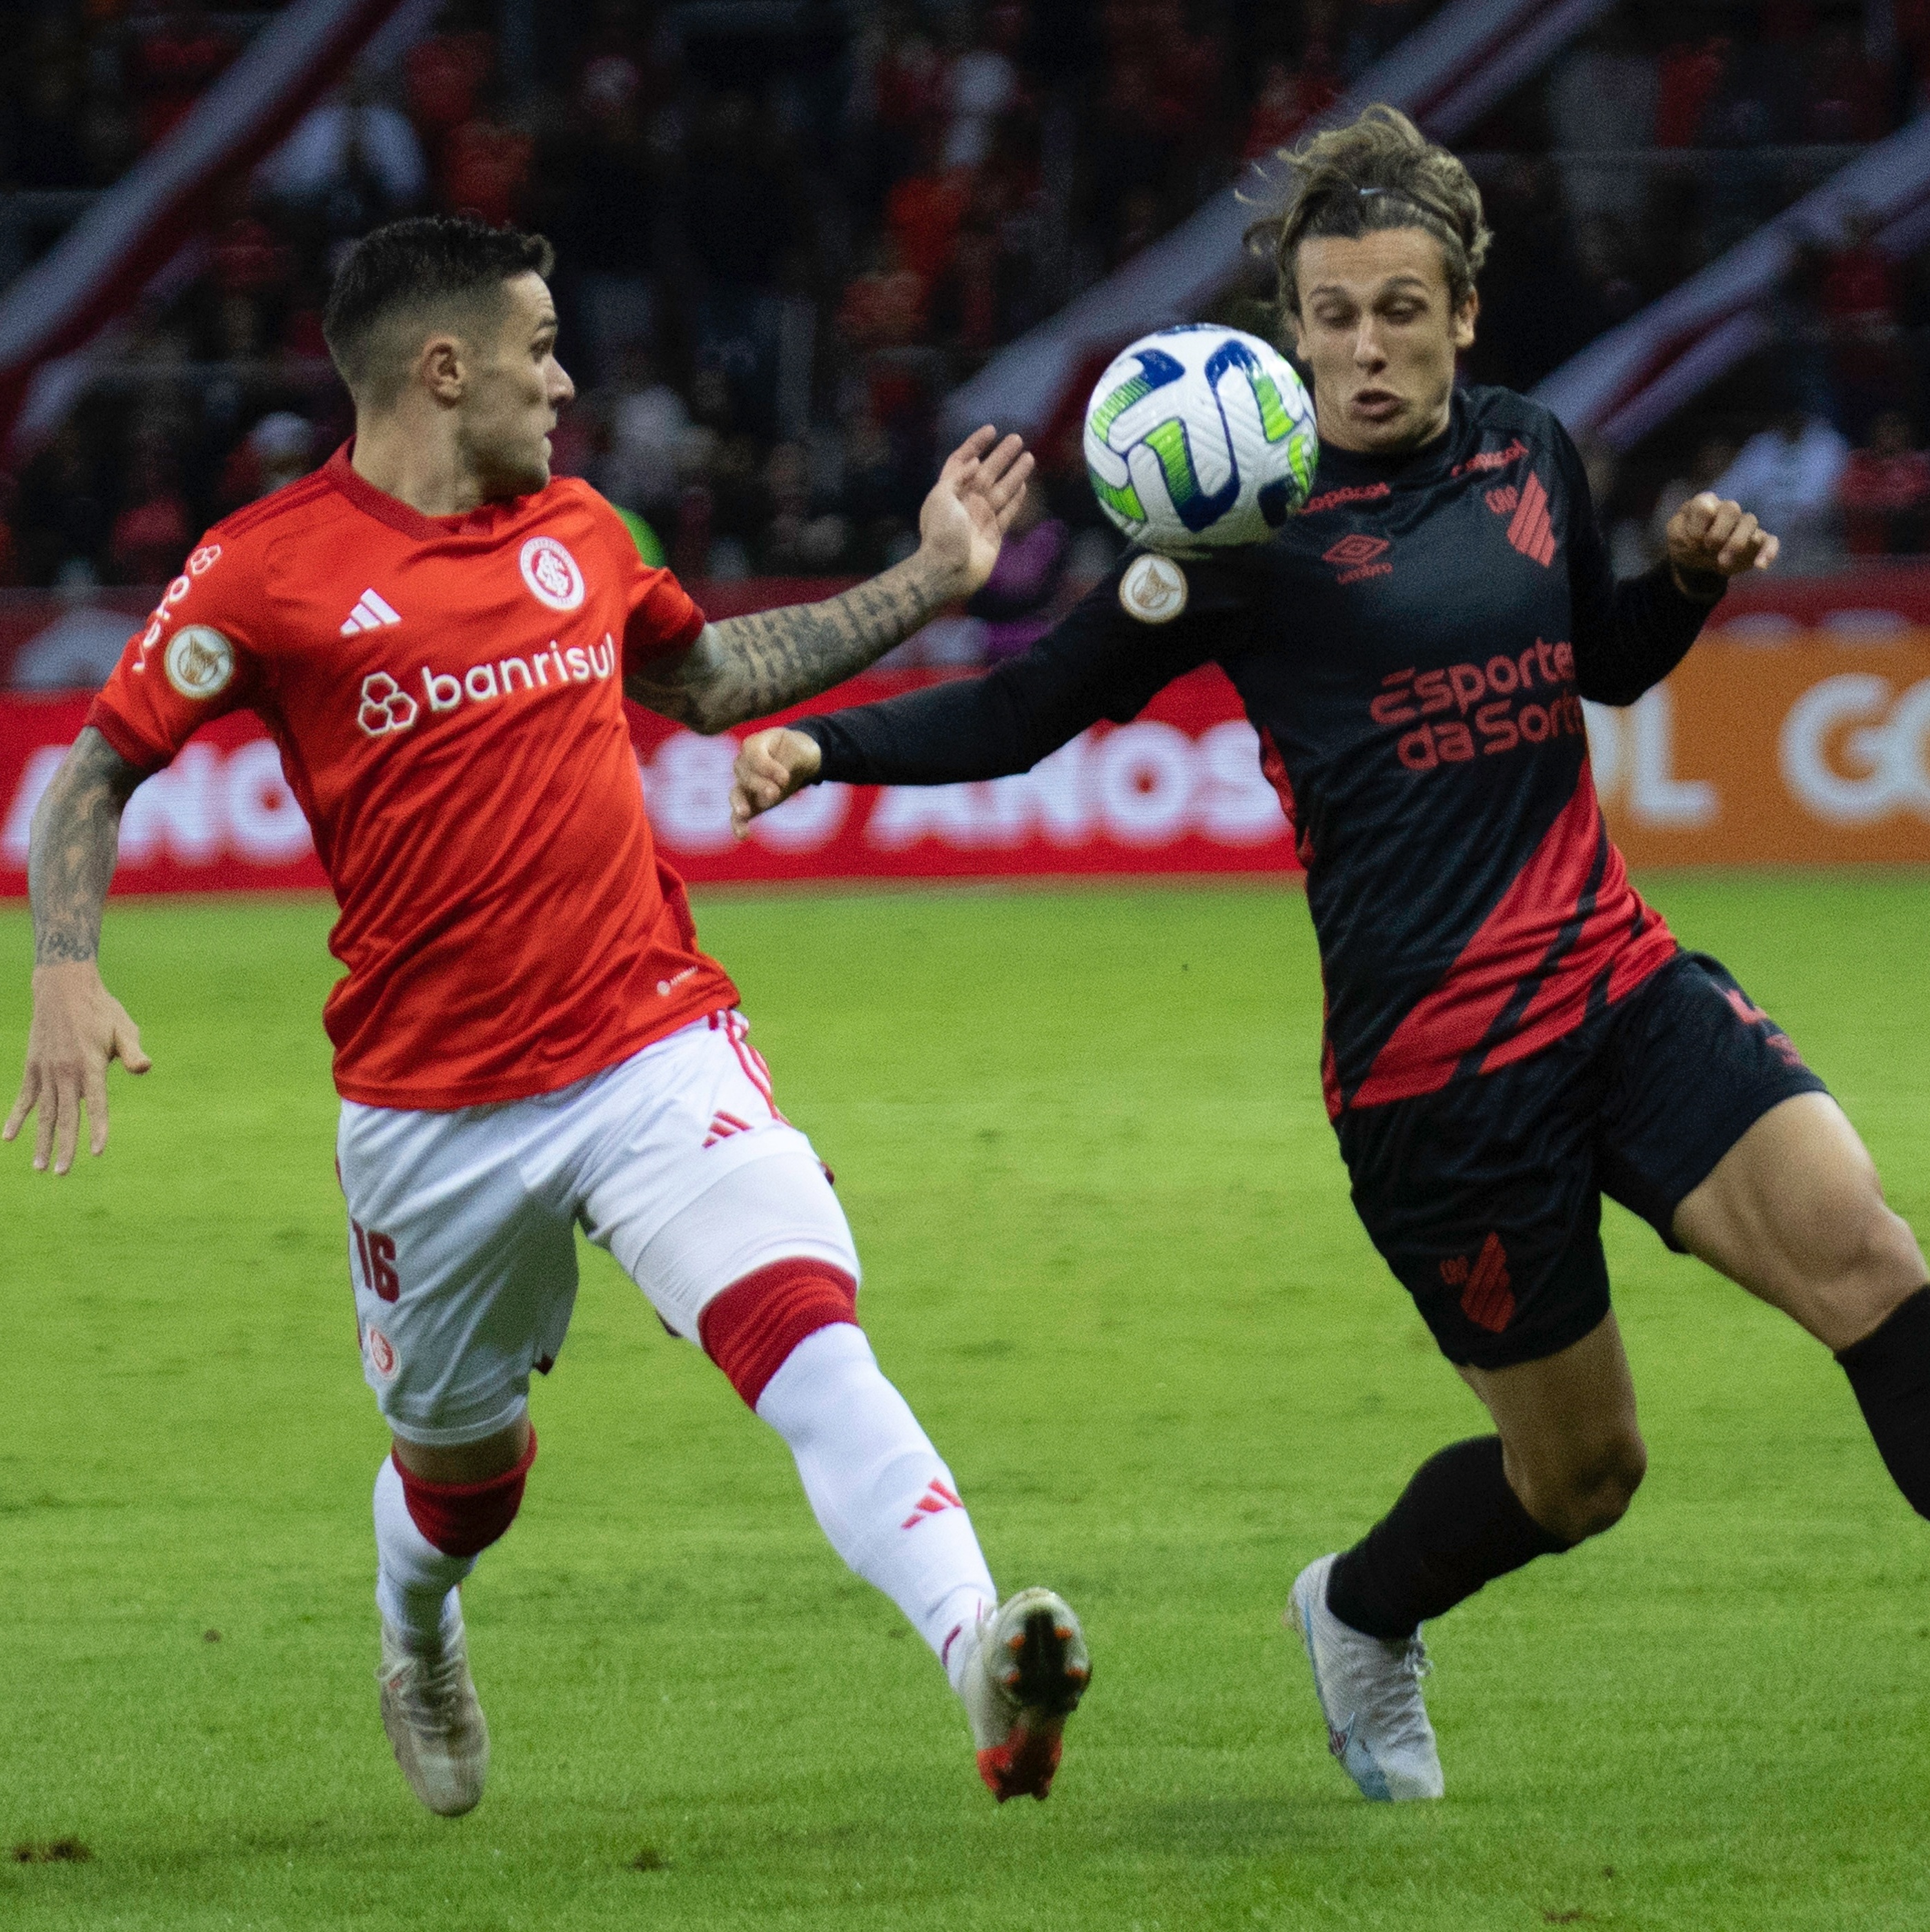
<point x="1379" y="171"/>
<point x="419" y="270"/>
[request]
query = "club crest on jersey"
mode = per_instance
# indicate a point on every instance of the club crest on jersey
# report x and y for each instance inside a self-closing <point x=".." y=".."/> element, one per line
<point x="1526" y="508"/>
<point x="1153" y="589"/>
<point x="551" y="574"/>
<point x="199" y="661"/>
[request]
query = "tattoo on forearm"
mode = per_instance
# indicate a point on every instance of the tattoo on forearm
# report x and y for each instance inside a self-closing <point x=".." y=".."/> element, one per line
<point x="744" y="667"/>
<point x="70" y="859"/>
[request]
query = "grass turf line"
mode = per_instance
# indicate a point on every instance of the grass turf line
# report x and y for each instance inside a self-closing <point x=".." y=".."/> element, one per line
<point x="1110" y="1259"/>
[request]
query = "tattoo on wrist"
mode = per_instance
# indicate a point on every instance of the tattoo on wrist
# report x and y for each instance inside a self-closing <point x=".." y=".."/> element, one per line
<point x="749" y="667"/>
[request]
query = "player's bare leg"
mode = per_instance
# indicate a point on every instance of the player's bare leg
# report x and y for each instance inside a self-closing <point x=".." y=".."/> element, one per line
<point x="1570" y="1450"/>
<point x="1794" y="1212"/>
<point x="437" y="1508"/>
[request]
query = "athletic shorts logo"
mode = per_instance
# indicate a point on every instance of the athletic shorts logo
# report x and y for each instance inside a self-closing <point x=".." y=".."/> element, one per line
<point x="381" y="1353"/>
<point x="551" y="574"/>
<point x="1487" y="1294"/>
<point x="1357" y="556"/>
<point x="1765" y="1029"/>
<point x="199" y="662"/>
<point x="1153" y="589"/>
<point x="385" y="706"/>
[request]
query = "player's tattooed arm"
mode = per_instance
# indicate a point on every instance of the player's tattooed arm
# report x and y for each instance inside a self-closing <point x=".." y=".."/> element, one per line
<point x="78" y="1026"/>
<point x="748" y="666"/>
<point x="745" y="668"/>
<point x="75" y="840"/>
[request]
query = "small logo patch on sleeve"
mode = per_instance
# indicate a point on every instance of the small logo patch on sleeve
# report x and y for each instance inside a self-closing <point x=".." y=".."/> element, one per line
<point x="199" y="662"/>
<point x="1153" y="589"/>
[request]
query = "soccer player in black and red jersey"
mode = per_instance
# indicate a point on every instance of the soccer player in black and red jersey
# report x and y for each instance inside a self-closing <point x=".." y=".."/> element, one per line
<point x="1511" y="1031"/>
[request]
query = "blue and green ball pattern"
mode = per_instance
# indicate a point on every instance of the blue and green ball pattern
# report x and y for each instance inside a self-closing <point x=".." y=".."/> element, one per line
<point x="1182" y="459"/>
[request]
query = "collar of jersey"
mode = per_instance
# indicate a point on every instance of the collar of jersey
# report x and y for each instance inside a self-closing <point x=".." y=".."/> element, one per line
<point x="400" y="516"/>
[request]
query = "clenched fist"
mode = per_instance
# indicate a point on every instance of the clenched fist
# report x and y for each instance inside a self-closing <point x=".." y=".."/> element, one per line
<point x="772" y="766"/>
<point x="1710" y="539"/>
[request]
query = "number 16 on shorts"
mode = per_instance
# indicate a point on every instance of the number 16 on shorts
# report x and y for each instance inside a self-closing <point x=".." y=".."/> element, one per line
<point x="375" y="1255"/>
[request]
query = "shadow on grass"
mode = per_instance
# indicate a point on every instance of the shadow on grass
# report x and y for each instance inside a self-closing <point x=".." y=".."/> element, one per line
<point x="1223" y="1827"/>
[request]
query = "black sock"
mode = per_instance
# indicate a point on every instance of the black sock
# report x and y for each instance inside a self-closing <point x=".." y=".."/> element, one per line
<point x="1889" y="1370"/>
<point x="1456" y="1526"/>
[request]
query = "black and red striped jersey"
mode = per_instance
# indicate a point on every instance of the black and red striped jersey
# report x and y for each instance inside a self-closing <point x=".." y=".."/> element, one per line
<point x="1412" y="649"/>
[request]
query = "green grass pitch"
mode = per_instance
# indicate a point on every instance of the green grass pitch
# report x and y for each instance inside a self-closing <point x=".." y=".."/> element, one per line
<point x="1111" y="1260"/>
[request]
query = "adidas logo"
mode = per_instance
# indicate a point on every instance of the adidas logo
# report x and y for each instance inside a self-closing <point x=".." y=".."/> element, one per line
<point x="934" y="1501"/>
<point x="371" y="612"/>
<point x="723" y="1126"/>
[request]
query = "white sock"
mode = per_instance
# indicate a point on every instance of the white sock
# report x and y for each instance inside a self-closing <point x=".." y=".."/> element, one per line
<point x="879" y="1489"/>
<point x="414" y="1582"/>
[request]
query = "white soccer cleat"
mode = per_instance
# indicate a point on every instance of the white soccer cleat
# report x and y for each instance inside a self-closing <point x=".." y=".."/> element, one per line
<point x="1370" y="1692"/>
<point x="1026" y="1671"/>
<point x="430" y="1711"/>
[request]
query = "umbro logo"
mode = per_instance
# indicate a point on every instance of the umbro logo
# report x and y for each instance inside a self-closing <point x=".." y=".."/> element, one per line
<point x="1487" y="1293"/>
<point x="723" y="1126"/>
<point x="937" y="1499"/>
<point x="1357" y="556"/>
<point x="371" y="612"/>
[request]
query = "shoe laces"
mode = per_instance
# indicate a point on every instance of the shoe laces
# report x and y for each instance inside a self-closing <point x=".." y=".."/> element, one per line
<point x="1394" y="1703"/>
<point x="433" y="1689"/>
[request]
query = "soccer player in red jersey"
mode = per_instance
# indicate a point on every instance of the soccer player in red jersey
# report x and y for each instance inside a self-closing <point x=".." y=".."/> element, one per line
<point x="1510" y="1032"/>
<point x="528" y="1038"/>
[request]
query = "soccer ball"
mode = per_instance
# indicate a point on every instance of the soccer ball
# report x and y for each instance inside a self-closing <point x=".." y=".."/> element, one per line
<point x="1200" y="436"/>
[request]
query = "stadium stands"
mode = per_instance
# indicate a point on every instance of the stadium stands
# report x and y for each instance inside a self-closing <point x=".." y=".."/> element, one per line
<point x="788" y="232"/>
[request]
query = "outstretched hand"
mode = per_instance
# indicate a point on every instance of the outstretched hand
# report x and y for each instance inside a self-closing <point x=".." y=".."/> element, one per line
<point x="1709" y="538"/>
<point x="78" y="1027"/>
<point x="772" y="766"/>
<point x="964" y="519"/>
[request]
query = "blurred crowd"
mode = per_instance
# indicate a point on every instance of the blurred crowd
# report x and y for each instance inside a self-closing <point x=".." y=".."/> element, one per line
<point x="784" y="233"/>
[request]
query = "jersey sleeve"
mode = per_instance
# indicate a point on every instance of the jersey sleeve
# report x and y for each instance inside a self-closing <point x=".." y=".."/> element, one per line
<point x="1096" y="662"/>
<point x="198" y="657"/>
<point x="662" y="617"/>
<point x="1630" y="632"/>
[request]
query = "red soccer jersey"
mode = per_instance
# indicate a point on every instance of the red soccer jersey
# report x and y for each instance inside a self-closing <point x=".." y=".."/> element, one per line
<point x="446" y="692"/>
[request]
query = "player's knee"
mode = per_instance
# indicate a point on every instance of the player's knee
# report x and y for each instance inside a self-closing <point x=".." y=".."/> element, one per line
<point x="1591" y="1492"/>
<point x="750" y="1329"/>
<point x="464" y="1518"/>
<point x="1867" y="1264"/>
<point x="1881" y="1251"/>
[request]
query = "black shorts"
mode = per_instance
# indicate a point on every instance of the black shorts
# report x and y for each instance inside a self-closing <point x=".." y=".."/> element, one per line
<point x="1485" y="1198"/>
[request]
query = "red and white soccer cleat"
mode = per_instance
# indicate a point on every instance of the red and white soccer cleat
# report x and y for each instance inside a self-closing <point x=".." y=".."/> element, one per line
<point x="430" y="1711"/>
<point x="1026" y="1673"/>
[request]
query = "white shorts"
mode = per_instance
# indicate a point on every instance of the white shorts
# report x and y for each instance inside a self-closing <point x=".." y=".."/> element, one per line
<point x="461" y="1245"/>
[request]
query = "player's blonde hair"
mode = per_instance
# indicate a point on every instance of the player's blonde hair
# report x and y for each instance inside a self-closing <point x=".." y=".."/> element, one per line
<point x="1379" y="172"/>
